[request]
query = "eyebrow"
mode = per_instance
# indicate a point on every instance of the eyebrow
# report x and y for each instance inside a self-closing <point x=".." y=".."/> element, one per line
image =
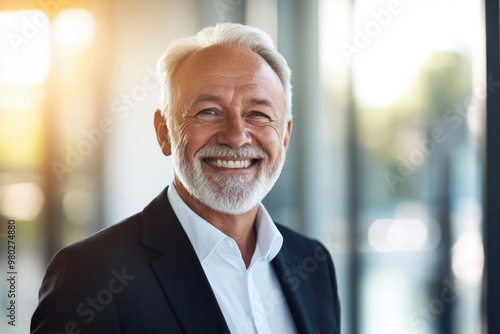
<point x="218" y="99"/>
<point x="264" y="102"/>
<point x="209" y="98"/>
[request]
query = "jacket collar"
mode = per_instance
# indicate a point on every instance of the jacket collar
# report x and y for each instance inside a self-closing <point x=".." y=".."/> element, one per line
<point x="179" y="271"/>
<point x="296" y="290"/>
<point x="186" y="286"/>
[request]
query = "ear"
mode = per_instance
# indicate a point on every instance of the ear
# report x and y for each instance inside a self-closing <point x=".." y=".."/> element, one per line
<point x="162" y="133"/>
<point x="288" y="133"/>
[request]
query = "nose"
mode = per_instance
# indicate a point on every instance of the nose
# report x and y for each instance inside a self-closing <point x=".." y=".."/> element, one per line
<point x="234" y="132"/>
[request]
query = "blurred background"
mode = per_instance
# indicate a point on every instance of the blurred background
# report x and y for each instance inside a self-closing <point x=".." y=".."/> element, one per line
<point x="385" y="163"/>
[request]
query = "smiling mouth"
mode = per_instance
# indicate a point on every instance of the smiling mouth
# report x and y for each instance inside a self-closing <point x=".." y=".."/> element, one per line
<point x="232" y="164"/>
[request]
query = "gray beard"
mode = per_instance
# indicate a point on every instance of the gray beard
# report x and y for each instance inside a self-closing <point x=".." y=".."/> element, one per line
<point x="230" y="194"/>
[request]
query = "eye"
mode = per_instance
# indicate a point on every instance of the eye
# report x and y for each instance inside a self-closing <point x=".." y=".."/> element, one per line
<point x="258" y="114"/>
<point x="208" y="111"/>
<point x="260" y="117"/>
<point x="209" y="116"/>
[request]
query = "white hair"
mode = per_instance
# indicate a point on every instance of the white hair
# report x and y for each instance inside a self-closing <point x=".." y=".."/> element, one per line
<point x="230" y="34"/>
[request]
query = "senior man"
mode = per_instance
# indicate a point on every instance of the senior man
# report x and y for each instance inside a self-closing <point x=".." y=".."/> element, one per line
<point x="204" y="256"/>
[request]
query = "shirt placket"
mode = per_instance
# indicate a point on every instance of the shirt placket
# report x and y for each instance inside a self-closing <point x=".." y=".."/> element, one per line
<point x="258" y="315"/>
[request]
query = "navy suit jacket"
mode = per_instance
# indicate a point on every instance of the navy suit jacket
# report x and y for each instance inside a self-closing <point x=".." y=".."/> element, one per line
<point x="143" y="276"/>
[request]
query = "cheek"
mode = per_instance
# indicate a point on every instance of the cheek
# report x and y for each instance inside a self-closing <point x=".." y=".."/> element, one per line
<point x="271" y="140"/>
<point x="181" y="136"/>
<point x="192" y="138"/>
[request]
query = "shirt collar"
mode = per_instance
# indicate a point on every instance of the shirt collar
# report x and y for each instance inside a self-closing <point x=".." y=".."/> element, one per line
<point x="269" y="239"/>
<point x="205" y="237"/>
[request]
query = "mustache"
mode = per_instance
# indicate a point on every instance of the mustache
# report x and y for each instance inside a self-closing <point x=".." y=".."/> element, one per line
<point x="225" y="151"/>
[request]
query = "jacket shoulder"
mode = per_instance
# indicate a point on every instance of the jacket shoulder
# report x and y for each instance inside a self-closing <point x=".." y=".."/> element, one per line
<point x="126" y="231"/>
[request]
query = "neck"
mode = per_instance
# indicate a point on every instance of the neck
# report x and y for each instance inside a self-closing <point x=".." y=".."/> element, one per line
<point x="240" y="227"/>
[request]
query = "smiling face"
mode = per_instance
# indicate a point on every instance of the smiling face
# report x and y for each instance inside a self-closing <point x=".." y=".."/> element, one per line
<point x="228" y="132"/>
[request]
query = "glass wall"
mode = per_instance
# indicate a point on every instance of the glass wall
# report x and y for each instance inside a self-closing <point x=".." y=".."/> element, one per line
<point x="418" y="86"/>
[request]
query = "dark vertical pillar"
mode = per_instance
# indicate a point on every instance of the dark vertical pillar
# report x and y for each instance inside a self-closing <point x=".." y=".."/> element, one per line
<point x="353" y="178"/>
<point x="106" y="28"/>
<point x="298" y="34"/>
<point x="492" y="169"/>
<point x="443" y="213"/>
<point x="283" y="201"/>
<point x="352" y="186"/>
<point x="51" y="222"/>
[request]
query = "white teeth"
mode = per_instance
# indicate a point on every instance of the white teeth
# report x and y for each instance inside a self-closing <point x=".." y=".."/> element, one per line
<point x="231" y="163"/>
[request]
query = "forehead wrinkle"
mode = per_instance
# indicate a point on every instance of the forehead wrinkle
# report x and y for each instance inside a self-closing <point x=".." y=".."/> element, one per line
<point x="233" y="90"/>
<point x="220" y="100"/>
<point x="253" y="79"/>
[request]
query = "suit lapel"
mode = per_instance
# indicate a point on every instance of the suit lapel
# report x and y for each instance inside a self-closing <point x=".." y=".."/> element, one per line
<point x="179" y="270"/>
<point x="296" y="290"/>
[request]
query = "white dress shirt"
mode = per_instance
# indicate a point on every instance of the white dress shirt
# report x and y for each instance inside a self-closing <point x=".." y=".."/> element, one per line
<point x="251" y="299"/>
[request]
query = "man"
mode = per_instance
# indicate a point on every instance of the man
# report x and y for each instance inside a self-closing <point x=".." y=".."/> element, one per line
<point x="204" y="256"/>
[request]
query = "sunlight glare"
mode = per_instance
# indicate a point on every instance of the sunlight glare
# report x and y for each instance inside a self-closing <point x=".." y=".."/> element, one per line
<point x="25" y="52"/>
<point x="74" y="30"/>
